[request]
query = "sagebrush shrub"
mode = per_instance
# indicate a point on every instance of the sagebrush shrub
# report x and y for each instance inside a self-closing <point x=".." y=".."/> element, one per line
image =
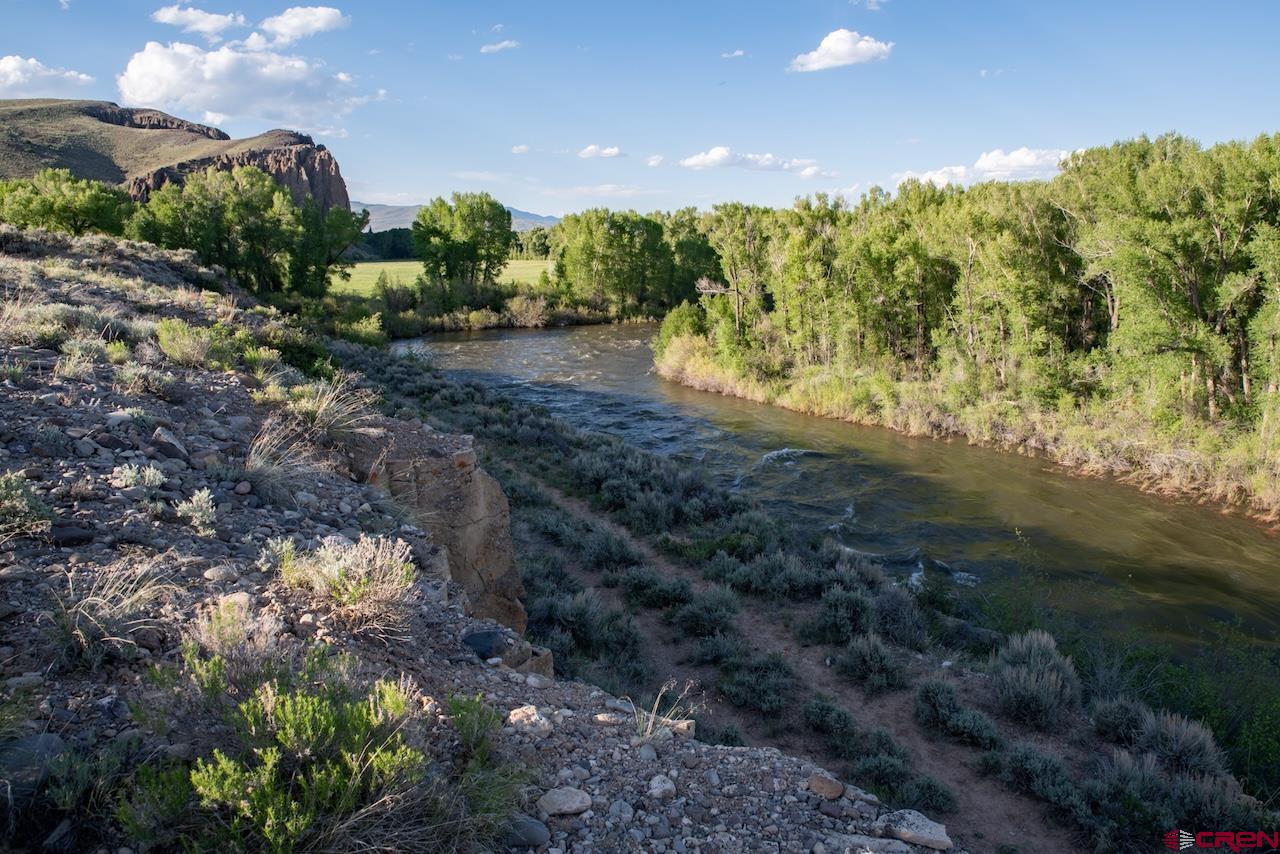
<point x="843" y="614"/>
<point x="867" y="660"/>
<point x="1182" y="745"/>
<point x="706" y="614"/>
<point x="1033" y="682"/>
<point x="899" y="619"/>
<point x="764" y="684"/>
<point x="22" y="514"/>
<point x="1119" y="720"/>
<point x="938" y="708"/>
<point x="368" y="583"/>
<point x="184" y="344"/>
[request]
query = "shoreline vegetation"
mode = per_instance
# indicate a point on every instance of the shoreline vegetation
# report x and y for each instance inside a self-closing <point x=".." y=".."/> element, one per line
<point x="1101" y="449"/>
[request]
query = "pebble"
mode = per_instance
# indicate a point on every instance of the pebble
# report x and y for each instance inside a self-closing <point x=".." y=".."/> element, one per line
<point x="564" y="800"/>
<point x="662" y="788"/>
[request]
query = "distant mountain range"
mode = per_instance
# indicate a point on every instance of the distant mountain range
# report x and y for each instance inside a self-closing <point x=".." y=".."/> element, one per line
<point x="383" y="217"/>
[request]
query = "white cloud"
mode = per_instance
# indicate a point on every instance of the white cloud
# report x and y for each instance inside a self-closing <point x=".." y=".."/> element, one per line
<point x="519" y="149"/>
<point x="842" y="47"/>
<point x="65" y="4"/>
<point x="299" y="22"/>
<point x="193" y="20"/>
<point x="871" y="5"/>
<point x="497" y="28"/>
<point x="654" y="160"/>
<point x="733" y="54"/>
<point x="722" y="155"/>
<point x="242" y="81"/>
<point x="27" y="77"/>
<point x="1020" y="164"/>
<point x="594" y="150"/>
<point x="506" y="44"/>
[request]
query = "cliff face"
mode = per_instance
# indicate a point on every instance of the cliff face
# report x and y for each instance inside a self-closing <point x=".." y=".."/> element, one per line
<point x="142" y="150"/>
<point x="304" y="168"/>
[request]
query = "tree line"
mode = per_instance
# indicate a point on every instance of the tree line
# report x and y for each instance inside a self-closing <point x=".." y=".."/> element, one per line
<point x="240" y="220"/>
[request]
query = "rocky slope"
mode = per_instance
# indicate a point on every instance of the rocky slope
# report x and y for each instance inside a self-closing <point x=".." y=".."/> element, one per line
<point x="143" y="453"/>
<point x="142" y="150"/>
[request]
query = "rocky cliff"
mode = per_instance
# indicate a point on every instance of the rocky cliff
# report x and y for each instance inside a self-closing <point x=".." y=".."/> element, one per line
<point x="142" y="149"/>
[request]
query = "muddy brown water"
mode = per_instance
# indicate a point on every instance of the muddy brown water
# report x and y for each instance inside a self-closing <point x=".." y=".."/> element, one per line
<point x="1116" y="557"/>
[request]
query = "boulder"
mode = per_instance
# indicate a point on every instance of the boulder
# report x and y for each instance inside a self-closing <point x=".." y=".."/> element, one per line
<point x="564" y="800"/>
<point x="825" y="786"/>
<point x="911" y="826"/>
<point x="524" y="832"/>
<point x="436" y="476"/>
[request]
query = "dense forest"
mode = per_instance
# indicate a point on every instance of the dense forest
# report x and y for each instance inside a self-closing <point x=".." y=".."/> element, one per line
<point x="1124" y="316"/>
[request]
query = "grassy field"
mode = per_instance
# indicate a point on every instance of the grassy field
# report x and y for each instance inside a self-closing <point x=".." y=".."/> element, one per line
<point x="365" y="274"/>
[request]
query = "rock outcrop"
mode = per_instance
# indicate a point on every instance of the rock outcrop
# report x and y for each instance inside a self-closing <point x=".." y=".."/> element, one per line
<point x="302" y="167"/>
<point x="435" y="477"/>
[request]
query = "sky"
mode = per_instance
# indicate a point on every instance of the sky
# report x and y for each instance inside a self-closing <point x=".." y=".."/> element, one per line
<point x="558" y="106"/>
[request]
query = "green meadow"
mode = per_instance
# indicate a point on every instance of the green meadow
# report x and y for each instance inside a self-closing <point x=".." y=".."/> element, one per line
<point x="365" y="274"/>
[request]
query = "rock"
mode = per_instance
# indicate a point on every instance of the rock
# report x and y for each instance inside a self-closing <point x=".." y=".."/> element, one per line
<point x="529" y="720"/>
<point x="167" y="444"/>
<point x="69" y="535"/>
<point x="24" y="682"/>
<point x="117" y="418"/>
<point x="610" y="719"/>
<point x="622" y="811"/>
<point x="415" y="466"/>
<point x="825" y="786"/>
<point x="564" y="800"/>
<point x="526" y="832"/>
<point x="540" y="662"/>
<point x="221" y="574"/>
<point x="647" y="753"/>
<point x="486" y="644"/>
<point x="911" y="826"/>
<point x="243" y="488"/>
<point x="86" y="448"/>
<point x="662" y="788"/>
<point x="865" y="844"/>
<point x="538" y="682"/>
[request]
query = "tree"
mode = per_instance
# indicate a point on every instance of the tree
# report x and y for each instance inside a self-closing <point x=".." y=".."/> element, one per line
<point x="464" y="244"/>
<point x="323" y="239"/>
<point x="56" y="200"/>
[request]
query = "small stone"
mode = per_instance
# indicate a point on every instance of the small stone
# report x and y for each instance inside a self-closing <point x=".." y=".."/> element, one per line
<point x="647" y="753"/>
<point x="712" y="777"/>
<point x="911" y="826"/>
<point x="220" y="574"/>
<point x="69" y="535"/>
<point x="526" y="832"/>
<point x="662" y="788"/>
<point x="622" y="811"/>
<point x="115" y="419"/>
<point x="564" y="800"/>
<point x="609" y="719"/>
<point x="167" y="444"/>
<point x="24" y="682"/>
<point x="825" y="786"/>
<point x="244" y="487"/>
<point x="86" y="448"/>
<point x="529" y="720"/>
<point x="538" y="681"/>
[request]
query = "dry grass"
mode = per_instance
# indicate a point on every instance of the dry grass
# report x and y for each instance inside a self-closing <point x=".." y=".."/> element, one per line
<point x="243" y="639"/>
<point x="673" y="704"/>
<point x="336" y="407"/>
<point x="118" y="602"/>
<point x="370" y="583"/>
<point x="280" y="462"/>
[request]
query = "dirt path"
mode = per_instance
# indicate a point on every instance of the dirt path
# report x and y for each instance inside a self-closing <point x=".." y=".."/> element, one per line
<point x="987" y="815"/>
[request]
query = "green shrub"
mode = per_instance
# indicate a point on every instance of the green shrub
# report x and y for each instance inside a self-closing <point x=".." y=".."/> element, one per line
<point x="118" y="352"/>
<point x="368" y="583"/>
<point x="1182" y="745"/>
<point x="764" y="684"/>
<point x="1034" y="683"/>
<point x="706" y="614"/>
<point x="868" y="661"/>
<point x="200" y="509"/>
<point x="22" y="514"/>
<point x="1119" y="720"/>
<point x="937" y="708"/>
<point x="842" y="616"/>
<point x="1025" y="769"/>
<point x="898" y="618"/>
<point x="603" y="549"/>
<point x="310" y="757"/>
<point x="685" y="319"/>
<point x="183" y="344"/>
<point x="648" y="588"/>
<point x="366" y="331"/>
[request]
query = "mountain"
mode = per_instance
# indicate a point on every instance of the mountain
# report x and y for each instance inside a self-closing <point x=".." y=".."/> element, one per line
<point x="141" y="150"/>
<point x="383" y="217"/>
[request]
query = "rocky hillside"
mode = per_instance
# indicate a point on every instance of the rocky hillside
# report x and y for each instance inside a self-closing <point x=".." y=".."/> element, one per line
<point x="141" y="150"/>
<point x="240" y="609"/>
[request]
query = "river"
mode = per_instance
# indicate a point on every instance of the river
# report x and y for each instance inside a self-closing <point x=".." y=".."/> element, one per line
<point x="1119" y="557"/>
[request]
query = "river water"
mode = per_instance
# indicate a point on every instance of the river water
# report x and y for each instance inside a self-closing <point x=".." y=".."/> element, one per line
<point x="1123" y="558"/>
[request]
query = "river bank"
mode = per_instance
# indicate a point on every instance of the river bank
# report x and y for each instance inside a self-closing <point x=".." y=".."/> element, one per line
<point x="1094" y="444"/>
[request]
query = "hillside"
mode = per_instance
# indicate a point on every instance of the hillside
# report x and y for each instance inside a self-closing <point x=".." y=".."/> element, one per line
<point x="206" y="551"/>
<point x="141" y="150"/>
<point x="383" y="217"/>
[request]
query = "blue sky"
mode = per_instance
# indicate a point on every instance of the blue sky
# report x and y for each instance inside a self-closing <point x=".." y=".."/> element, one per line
<point x="558" y="106"/>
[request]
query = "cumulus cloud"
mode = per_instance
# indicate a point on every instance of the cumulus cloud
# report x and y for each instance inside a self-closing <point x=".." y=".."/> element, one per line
<point x="721" y="155"/>
<point x="505" y="44"/>
<point x="654" y="160"/>
<point x="519" y="149"/>
<point x="193" y="20"/>
<point x="733" y="54"/>
<point x="243" y="80"/>
<point x="842" y="47"/>
<point x="299" y="22"/>
<point x="25" y="77"/>
<point x="594" y="150"/>
<point x="1020" y="164"/>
